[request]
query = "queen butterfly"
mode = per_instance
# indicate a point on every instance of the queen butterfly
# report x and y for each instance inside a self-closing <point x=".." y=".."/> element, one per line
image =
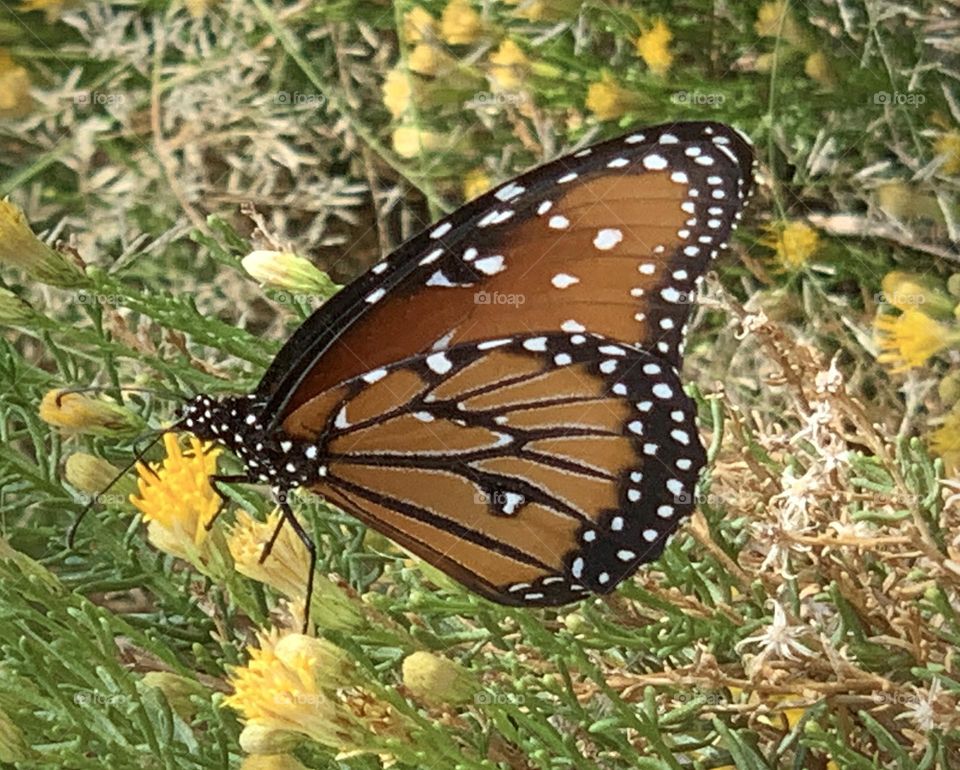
<point x="537" y="451"/>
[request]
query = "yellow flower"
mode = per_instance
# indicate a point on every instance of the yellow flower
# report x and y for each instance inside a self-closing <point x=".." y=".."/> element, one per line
<point x="775" y="19"/>
<point x="653" y="46"/>
<point x="509" y="67"/>
<point x="77" y="413"/>
<point x="608" y="100"/>
<point x="947" y="148"/>
<point x="770" y="17"/>
<point x="178" y="501"/>
<point x="21" y="248"/>
<point x="290" y="272"/>
<point x="418" y="25"/>
<point x="424" y="59"/>
<point x="459" y="23"/>
<point x="817" y="67"/>
<point x="286" y="569"/>
<point x="795" y="243"/>
<point x="908" y="290"/>
<point x="437" y="680"/>
<point x="909" y="339"/>
<point x="475" y="183"/>
<point x="296" y="685"/>
<point x="15" y="99"/>
<point x="397" y="92"/>
<point x="409" y="141"/>
<point x="945" y="440"/>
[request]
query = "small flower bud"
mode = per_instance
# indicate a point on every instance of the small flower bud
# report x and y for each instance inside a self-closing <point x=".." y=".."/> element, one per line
<point x="908" y="290"/>
<point x="437" y="680"/>
<point x="284" y="270"/>
<point x="92" y="475"/>
<point x="260" y="739"/>
<point x="19" y="247"/>
<point x="77" y="413"/>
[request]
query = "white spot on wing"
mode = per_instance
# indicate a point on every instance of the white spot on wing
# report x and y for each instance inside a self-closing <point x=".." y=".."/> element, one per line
<point x="442" y="230"/>
<point x="564" y="280"/>
<point x="439" y="363"/>
<point x="433" y="256"/>
<point x="607" y="238"/>
<point x="654" y="162"/>
<point x="490" y="265"/>
<point x="509" y="192"/>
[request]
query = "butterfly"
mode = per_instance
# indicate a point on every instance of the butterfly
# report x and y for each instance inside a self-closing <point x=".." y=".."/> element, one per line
<point x="501" y="395"/>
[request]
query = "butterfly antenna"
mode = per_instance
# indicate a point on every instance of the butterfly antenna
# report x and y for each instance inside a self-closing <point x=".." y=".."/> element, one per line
<point x="72" y="532"/>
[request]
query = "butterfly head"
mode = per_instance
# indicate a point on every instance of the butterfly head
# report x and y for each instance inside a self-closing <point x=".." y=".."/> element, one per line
<point x="238" y="422"/>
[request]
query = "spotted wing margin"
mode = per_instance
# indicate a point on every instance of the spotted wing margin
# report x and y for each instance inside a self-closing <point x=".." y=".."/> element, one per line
<point x="513" y="243"/>
<point x="534" y="470"/>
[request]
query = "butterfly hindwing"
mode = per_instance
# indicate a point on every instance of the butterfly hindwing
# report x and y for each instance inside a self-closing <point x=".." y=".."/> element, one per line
<point x="535" y="469"/>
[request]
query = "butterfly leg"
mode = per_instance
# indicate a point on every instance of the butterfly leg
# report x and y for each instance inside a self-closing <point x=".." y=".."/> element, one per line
<point x="234" y="478"/>
<point x="289" y="517"/>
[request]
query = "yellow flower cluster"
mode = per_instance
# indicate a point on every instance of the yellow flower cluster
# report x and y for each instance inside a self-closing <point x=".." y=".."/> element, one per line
<point x="509" y="67"/>
<point x="177" y="500"/>
<point x="793" y="243"/>
<point x="776" y="20"/>
<point x="653" y="46"/>
<point x="295" y="686"/>
<point x="925" y="327"/>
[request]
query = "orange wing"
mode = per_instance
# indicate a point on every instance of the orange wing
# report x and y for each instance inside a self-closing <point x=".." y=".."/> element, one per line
<point x="612" y="240"/>
<point x="534" y="469"/>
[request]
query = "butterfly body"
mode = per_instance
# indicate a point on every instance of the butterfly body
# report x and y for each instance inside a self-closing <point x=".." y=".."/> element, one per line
<point x="537" y="452"/>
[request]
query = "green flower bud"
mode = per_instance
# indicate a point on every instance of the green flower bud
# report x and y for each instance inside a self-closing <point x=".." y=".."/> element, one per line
<point x="283" y="270"/>
<point x="437" y="680"/>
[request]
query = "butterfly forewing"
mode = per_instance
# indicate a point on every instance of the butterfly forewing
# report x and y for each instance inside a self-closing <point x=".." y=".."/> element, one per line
<point x="611" y="240"/>
<point x="534" y="469"/>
